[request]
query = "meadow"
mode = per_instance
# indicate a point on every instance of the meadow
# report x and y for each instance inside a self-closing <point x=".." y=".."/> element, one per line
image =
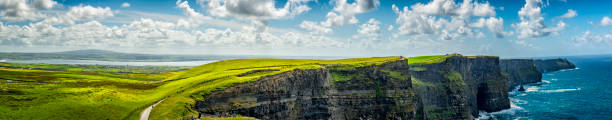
<point x="41" y="91"/>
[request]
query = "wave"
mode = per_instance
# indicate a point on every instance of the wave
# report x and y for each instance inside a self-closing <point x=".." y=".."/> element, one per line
<point x="482" y="115"/>
<point x="537" y="89"/>
<point x="545" y="81"/>
<point x="560" y="90"/>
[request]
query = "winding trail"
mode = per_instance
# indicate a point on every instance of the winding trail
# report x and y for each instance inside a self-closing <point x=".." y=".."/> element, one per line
<point x="145" y="114"/>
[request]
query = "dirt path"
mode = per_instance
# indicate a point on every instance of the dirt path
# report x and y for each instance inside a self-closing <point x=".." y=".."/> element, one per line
<point x="145" y="114"/>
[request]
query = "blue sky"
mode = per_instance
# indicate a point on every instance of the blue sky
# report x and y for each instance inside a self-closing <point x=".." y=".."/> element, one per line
<point x="310" y="28"/>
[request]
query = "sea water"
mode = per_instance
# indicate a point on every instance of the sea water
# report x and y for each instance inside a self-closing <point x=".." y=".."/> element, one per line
<point x="584" y="93"/>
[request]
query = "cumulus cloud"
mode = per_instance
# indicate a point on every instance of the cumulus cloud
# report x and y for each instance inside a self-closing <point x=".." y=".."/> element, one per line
<point x="449" y="7"/>
<point x="570" y="14"/>
<point x="370" y="29"/>
<point x="368" y="34"/>
<point x="88" y="12"/>
<point x="125" y="5"/>
<point x="187" y="10"/>
<point x="431" y="18"/>
<point x="19" y="10"/>
<point x="257" y="11"/>
<point x="151" y="33"/>
<point x="495" y="25"/>
<point x="254" y="9"/>
<point x="315" y="28"/>
<point x="605" y="21"/>
<point x="344" y="13"/>
<point x="532" y="22"/>
<point x="589" y="38"/>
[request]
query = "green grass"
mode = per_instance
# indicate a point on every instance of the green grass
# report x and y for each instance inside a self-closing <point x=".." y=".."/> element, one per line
<point x="429" y="59"/>
<point x="50" y="93"/>
<point x="396" y="75"/>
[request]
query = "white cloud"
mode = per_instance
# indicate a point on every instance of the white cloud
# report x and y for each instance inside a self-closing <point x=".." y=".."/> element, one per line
<point x="344" y="13"/>
<point x="495" y="25"/>
<point x="187" y="10"/>
<point x="315" y="28"/>
<point x="125" y="5"/>
<point x="390" y="28"/>
<point x="19" y="10"/>
<point x="531" y="25"/>
<point x="257" y="11"/>
<point x="44" y="4"/>
<point x="449" y="7"/>
<point x="411" y="23"/>
<point x="152" y="33"/>
<point x="254" y="9"/>
<point x="605" y="21"/>
<point x="88" y="12"/>
<point x="570" y="14"/>
<point x="430" y="19"/>
<point x="370" y="29"/>
<point x="589" y="38"/>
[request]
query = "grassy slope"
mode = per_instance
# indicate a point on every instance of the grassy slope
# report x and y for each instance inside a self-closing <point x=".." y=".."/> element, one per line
<point x="66" y="94"/>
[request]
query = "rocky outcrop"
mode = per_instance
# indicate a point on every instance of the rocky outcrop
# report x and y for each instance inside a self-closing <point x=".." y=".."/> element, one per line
<point x="519" y="71"/>
<point x="369" y="92"/>
<point x="456" y="88"/>
<point x="551" y="65"/>
<point x="459" y="87"/>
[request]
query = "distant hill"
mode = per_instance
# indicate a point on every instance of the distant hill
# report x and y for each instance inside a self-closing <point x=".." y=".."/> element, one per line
<point x="103" y="55"/>
<point x="89" y="51"/>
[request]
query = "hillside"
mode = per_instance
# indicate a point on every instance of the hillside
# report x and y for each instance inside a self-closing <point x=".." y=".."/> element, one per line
<point x="35" y="94"/>
<point x="425" y="87"/>
<point x="103" y="55"/>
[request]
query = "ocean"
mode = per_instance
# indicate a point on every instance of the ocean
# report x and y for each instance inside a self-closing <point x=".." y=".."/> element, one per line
<point x="583" y="93"/>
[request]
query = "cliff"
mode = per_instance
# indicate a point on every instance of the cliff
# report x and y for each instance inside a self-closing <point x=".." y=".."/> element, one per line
<point x="458" y="87"/>
<point x="334" y="92"/>
<point x="551" y="65"/>
<point x="519" y="71"/>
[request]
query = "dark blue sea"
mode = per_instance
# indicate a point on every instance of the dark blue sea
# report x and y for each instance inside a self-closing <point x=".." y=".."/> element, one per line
<point x="584" y="93"/>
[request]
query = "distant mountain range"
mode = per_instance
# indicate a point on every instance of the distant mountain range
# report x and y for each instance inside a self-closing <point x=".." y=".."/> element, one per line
<point x="103" y="55"/>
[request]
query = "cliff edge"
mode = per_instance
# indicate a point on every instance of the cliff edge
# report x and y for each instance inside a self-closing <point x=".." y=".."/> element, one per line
<point x="519" y="72"/>
<point x="551" y="65"/>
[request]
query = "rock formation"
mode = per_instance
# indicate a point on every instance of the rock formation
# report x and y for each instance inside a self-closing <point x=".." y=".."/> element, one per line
<point x="460" y="86"/>
<point x="456" y="88"/>
<point x="519" y="71"/>
<point x="551" y="65"/>
<point x="369" y="92"/>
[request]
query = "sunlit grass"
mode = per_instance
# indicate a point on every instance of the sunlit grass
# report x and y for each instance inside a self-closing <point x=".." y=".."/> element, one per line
<point x="72" y="94"/>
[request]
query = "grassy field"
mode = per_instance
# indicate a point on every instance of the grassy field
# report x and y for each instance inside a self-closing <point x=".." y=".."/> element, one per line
<point x="429" y="59"/>
<point x="40" y="91"/>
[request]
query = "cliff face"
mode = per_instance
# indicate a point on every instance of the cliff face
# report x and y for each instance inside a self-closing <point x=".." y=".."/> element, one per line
<point x="456" y="88"/>
<point x="551" y="65"/>
<point x="520" y="71"/>
<point x="460" y="86"/>
<point x="336" y="92"/>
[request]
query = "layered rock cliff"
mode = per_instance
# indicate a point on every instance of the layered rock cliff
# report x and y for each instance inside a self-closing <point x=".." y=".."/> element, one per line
<point x="551" y="65"/>
<point x="519" y="71"/>
<point x="335" y="92"/>
<point x="459" y="87"/>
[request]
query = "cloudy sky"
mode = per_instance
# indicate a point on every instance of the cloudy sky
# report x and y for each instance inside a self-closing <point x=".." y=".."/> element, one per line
<point x="507" y="28"/>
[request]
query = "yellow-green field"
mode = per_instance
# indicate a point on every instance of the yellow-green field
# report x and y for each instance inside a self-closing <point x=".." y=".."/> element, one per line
<point x="78" y="93"/>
